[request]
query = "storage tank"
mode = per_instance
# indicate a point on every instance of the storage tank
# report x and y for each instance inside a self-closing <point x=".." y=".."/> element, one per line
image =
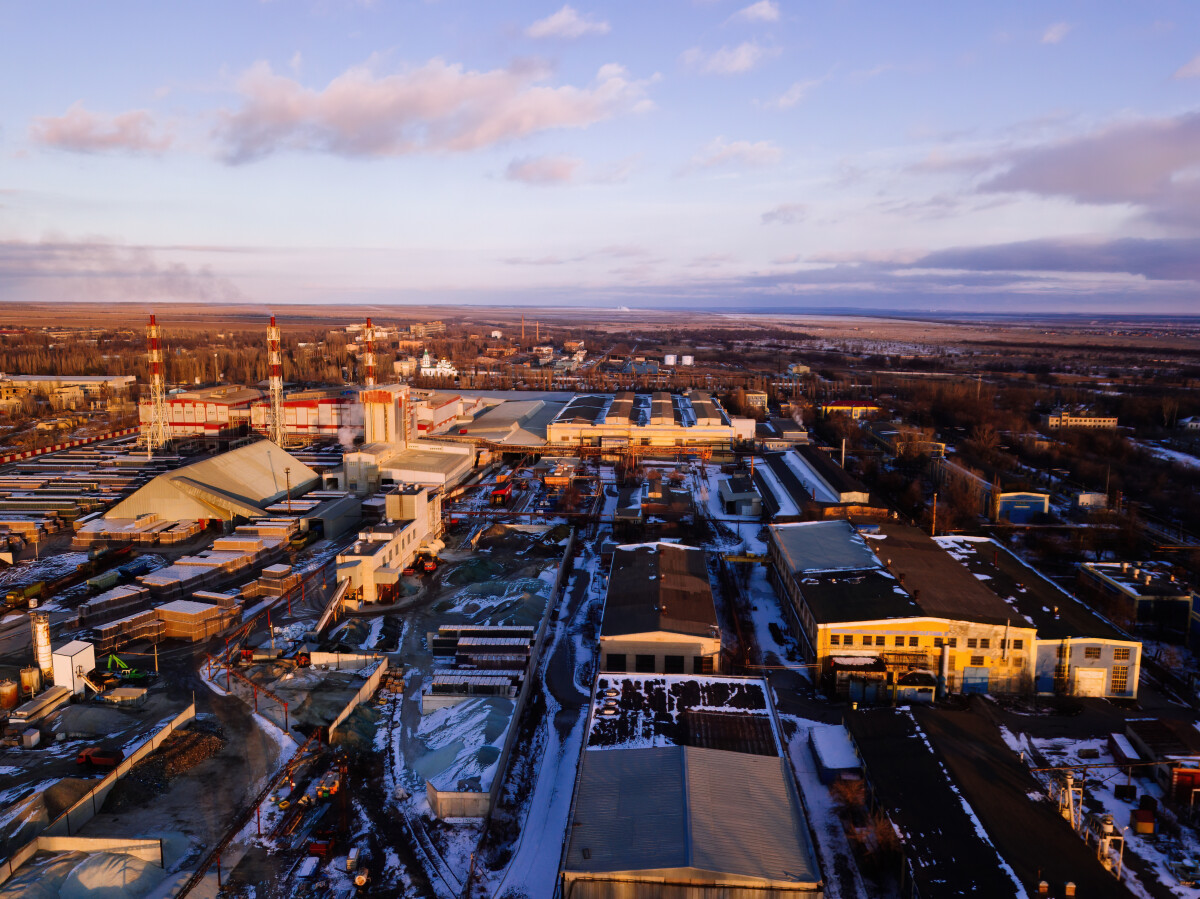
<point x="42" y="653"/>
<point x="669" y="360"/>
<point x="10" y="694"/>
<point x="687" y="360"/>
<point x="31" y="681"/>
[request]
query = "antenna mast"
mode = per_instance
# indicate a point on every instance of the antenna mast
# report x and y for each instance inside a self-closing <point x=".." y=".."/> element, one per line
<point x="157" y="431"/>
<point x="275" y="425"/>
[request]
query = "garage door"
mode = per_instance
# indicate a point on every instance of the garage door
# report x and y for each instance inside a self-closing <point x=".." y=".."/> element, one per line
<point x="975" y="680"/>
<point x="1089" y="681"/>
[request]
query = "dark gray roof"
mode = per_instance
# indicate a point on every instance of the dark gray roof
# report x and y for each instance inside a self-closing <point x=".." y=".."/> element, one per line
<point x="1033" y="597"/>
<point x="659" y="587"/>
<point x="665" y="808"/>
<point x="941" y="586"/>
<point x="872" y="595"/>
<point x="831" y="473"/>
<point x="947" y="855"/>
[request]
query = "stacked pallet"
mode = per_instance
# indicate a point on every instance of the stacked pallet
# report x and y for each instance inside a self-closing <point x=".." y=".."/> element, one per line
<point x="186" y="619"/>
<point x="110" y="605"/>
<point x="181" y="531"/>
<point x="139" y="626"/>
<point x="226" y="601"/>
<point x="26" y="526"/>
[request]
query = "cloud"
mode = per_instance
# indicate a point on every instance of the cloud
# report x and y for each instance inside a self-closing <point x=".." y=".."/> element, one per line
<point x="543" y="170"/>
<point x="1149" y="162"/>
<point x="797" y="92"/>
<point x="1161" y="259"/>
<point x="762" y="11"/>
<point x="81" y="131"/>
<point x="728" y="60"/>
<point x="99" y="270"/>
<point x="566" y="23"/>
<point x="786" y="214"/>
<point x="1190" y="69"/>
<point x="741" y="152"/>
<point x="1055" y="33"/>
<point x="437" y="107"/>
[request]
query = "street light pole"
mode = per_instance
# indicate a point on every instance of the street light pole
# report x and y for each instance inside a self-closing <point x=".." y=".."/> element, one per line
<point x="287" y="473"/>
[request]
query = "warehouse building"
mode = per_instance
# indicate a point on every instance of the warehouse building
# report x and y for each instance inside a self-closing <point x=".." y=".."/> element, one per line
<point x="879" y="614"/>
<point x="1077" y="652"/>
<point x="241" y="483"/>
<point x="1147" y="596"/>
<point x="650" y="816"/>
<point x="640" y="419"/>
<point x="659" y="614"/>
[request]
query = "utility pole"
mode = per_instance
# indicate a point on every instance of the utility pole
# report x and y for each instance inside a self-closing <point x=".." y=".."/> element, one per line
<point x="933" y="524"/>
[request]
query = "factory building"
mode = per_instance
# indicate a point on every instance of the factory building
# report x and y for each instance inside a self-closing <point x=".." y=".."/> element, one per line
<point x="1063" y="418"/>
<point x="1077" y="652"/>
<point x="241" y="483"/>
<point x="889" y="608"/>
<point x="391" y="455"/>
<point x="639" y="419"/>
<point x="207" y="412"/>
<point x="655" y="811"/>
<point x="1146" y="595"/>
<point x="376" y="561"/>
<point x="659" y="614"/>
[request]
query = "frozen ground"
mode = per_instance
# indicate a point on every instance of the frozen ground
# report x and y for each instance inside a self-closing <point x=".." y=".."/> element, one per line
<point x="842" y="880"/>
<point x="1169" y="455"/>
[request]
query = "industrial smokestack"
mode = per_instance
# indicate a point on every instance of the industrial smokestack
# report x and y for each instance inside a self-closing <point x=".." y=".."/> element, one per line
<point x="369" y="356"/>
<point x="275" y="426"/>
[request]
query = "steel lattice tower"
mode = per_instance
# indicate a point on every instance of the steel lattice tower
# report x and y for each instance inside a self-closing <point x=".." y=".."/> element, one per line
<point x="157" y="431"/>
<point x="275" y="426"/>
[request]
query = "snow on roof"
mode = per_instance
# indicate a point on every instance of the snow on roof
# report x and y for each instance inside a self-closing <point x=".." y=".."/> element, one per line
<point x="831" y="743"/>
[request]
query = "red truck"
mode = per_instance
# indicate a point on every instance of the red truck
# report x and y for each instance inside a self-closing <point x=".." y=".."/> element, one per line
<point x="322" y="843"/>
<point x="100" y="758"/>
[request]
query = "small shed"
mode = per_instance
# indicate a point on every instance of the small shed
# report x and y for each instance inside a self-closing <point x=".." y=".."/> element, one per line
<point x="72" y="663"/>
<point x="834" y="753"/>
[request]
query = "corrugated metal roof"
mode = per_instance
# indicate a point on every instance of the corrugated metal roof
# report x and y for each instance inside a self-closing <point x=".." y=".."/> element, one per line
<point x="630" y="812"/>
<point x="642" y="810"/>
<point x="823" y="546"/>
<point x="240" y="482"/>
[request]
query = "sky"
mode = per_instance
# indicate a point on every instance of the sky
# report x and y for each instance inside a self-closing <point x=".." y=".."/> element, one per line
<point x="692" y="154"/>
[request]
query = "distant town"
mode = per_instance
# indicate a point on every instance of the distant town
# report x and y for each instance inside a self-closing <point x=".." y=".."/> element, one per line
<point x="524" y="604"/>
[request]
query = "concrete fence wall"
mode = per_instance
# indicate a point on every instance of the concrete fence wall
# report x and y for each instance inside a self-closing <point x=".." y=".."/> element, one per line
<point x="365" y="692"/>
<point x="149" y="850"/>
<point x="86" y="807"/>
<point x="66" y="444"/>
<point x="79" y="814"/>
